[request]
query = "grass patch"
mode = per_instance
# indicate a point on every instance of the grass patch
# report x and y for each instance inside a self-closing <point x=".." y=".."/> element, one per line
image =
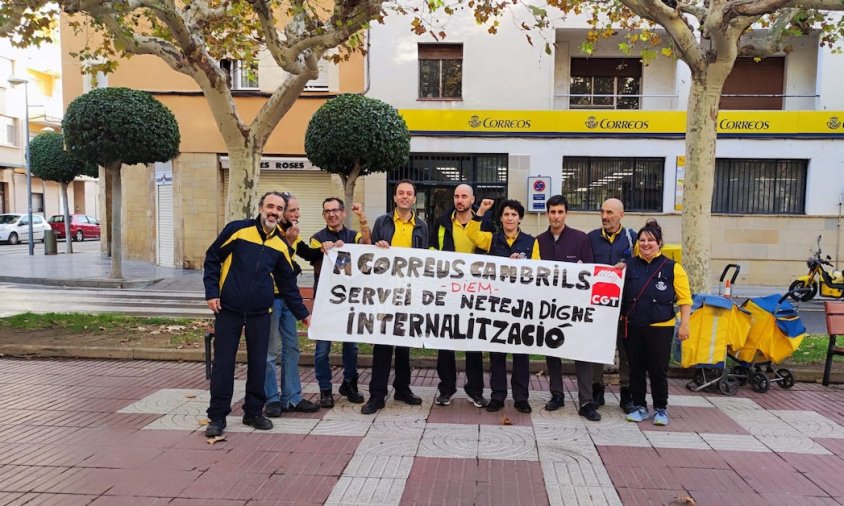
<point x="811" y="351"/>
<point x="178" y="331"/>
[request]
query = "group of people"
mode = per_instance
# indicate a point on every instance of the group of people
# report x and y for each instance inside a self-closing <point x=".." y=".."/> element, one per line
<point x="250" y="283"/>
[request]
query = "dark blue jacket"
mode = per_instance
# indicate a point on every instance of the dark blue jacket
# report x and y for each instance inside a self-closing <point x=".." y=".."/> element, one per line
<point x="610" y="253"/>
<point x="522" y="244"/>
<point x="240" y="267"/>
<point x="656" y="302"/>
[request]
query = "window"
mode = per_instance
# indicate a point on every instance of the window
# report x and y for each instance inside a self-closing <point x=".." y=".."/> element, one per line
<point x="437" y="174"/>
<point x="8" y="130"/>
<point x="241" y="75"/>
<point x="588" y="181"/>
<point x="321" y="83"/>
<point x="746" y="186"/>
<point x="440" y="71"/>
<point x="605" y="83"/>
<point x="755" y="85"/>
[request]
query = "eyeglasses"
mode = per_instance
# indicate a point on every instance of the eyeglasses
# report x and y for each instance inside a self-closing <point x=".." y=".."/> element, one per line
<point x="332" y="211"/>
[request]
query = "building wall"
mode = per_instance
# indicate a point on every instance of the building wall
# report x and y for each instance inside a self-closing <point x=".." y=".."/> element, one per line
<point x="197" y="214"/>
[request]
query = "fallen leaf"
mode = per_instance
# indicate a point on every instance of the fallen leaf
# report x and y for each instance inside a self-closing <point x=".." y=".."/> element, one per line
<point x="155" y="332"/>
<point x="102" y="328"/>
<point x="216" y="439"/>
<point x="173" y="328"/>
<point x="540" y="373"/>
<point x="685" y="499"/>
<point x="190" y="396"/>
<point x="179" y="347"/>
<point x="506" y="421"/>
<point x="203" y="422"/>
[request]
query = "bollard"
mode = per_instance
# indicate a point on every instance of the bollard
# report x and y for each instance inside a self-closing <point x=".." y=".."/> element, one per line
<point x="50" y="245"/>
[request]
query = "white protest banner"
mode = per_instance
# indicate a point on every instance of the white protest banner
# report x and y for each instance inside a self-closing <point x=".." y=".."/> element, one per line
<point x="459" y="301"/>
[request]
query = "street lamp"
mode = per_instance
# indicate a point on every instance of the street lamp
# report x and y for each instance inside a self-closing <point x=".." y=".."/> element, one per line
<point x="14" y="81"/>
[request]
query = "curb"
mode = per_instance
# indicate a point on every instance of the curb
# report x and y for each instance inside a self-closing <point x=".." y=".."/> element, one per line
<point x="82" y="283"/>
<point x="307" y="359"/>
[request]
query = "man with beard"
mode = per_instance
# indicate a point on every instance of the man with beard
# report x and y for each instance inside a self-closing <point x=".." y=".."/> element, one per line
<point x="452" y="236"/>
<point x="399" y="229"/>
<point x="613" y="244"/>
<point x="284" y="339"/>
<point x="241" y="267"/>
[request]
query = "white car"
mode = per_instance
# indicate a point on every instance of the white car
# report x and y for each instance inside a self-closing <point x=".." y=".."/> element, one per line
<point x="14" y="227"/>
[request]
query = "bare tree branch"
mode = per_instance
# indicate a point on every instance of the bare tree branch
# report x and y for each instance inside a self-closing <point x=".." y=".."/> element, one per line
<point x="676" y="26"/>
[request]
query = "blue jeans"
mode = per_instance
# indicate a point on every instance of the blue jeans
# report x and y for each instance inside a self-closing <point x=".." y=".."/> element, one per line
<point x="283" y="339"/>
<point x="322" y="369"/>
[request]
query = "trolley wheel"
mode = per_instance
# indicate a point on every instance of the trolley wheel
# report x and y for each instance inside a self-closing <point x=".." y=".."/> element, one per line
<point x="741" y="373"/>
<point x="787" y="379"/>
<point x="759" y="382"/>
<point x="728" y="386"/>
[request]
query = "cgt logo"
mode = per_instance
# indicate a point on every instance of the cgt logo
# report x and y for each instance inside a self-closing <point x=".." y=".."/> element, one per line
<point x="606" y="290"/>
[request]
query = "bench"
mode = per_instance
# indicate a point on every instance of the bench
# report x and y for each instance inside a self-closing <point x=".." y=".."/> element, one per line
<point x="307" y="294"/>
<point x="835" y="328"/>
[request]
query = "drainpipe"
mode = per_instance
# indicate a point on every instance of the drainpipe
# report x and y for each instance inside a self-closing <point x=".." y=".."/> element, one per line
<point x="838" y="228"/>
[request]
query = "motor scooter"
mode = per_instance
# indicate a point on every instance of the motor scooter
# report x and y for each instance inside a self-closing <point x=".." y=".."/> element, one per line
<point x="819" y="280"/>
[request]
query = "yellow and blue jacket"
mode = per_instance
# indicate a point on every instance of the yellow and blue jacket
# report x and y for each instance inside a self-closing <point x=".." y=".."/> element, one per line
<point x="242" y="263"/>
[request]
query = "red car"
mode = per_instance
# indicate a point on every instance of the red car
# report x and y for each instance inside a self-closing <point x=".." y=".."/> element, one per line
<point x="82" y="226"/>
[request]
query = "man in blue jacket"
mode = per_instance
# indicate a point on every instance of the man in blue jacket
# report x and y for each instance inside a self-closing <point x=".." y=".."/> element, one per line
<point x="240" y="268"/>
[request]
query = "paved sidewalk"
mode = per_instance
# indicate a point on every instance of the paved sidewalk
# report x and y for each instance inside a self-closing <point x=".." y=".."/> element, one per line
<point x="109" y="432"/>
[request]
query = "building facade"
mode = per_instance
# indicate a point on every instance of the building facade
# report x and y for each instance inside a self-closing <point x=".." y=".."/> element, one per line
<point x="500" y="113"/>
<point x="40" y="67"/>
<point x="173" y="211"/>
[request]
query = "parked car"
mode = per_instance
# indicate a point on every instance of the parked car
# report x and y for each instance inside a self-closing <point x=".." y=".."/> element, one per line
<point x="14" y="227"/>
<point x="82" y="226"/>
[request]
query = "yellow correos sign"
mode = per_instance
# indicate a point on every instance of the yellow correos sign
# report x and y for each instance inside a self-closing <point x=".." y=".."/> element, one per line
<point x="617" y="123"/>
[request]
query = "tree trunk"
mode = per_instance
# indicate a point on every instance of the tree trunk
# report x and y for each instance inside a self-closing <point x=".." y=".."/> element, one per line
<point x="106" y="193"/>
<point x="349" y="180"/>
<point x="67" y="238"/>
<point x="701" y="133"/>
<point x="244" y="172"/>
<point x="116" y="209"/>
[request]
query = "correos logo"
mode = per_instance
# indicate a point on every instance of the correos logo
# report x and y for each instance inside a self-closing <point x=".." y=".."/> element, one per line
<point x="477" y="122"/>
<point x="730" y="124"/>
<point x="616" y="124"/>
<point x="833" y="123"/>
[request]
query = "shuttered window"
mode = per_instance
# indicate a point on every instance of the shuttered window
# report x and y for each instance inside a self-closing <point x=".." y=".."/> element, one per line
<point x="755" y="85"/>
<point x="638" y="182"/>
<point x="748" y="186"/>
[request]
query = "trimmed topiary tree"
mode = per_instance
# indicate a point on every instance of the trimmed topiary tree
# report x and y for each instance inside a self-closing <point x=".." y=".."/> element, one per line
<point x="116" y="126"/>
<point x="49" y="160"/>
<point x="353" y="136"/>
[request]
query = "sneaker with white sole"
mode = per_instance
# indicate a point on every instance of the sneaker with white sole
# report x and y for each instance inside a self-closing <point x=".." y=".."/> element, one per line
<point x="639" y="415"/>
<point x="661" y="417"/>
<point x="479" y="401"/>
<point x="444" y="399"/>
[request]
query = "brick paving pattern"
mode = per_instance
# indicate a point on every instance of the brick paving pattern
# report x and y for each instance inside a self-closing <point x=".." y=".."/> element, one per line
<point x="81" y="432"/>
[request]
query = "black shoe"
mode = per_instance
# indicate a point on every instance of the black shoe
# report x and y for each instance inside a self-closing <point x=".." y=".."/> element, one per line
<point x="556" y="402"/>
<point x="349" y="389"/>
<point x="259" y="422"/>
<point x="372" y="406"/>
<point x="589" y="412"/>
<point x="326" y="399"/>
<point x="304" y="406"/>
<point x="598" y="394"/>
<point x="522" y="406"/>
<point x="444" y="399"/>
<point x="215" y="428"/>
<point x="273" y="409"/>
<point x="494" y="405"/>
<point x="626" y="401"/>
<point x="408" y="397"/>
<point x="479" y="401"/>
